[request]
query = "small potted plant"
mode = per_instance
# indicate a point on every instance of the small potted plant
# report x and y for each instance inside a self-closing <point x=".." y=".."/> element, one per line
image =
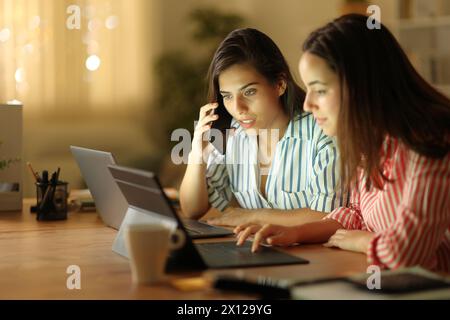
<point x="5" y="163"/>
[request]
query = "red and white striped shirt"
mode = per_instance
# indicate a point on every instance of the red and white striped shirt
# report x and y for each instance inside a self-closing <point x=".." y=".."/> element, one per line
<point x="409" y="216"/>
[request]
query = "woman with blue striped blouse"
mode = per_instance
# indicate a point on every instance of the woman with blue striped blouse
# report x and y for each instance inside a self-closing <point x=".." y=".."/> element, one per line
<point x="279" y="167"/>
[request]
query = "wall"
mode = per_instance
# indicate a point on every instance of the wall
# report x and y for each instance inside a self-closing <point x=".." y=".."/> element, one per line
<point x="163" y="26"/>
<point x="106" y="115"/>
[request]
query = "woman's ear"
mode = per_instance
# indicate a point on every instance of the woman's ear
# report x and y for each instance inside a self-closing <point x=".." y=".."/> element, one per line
<point x="282" y="85"/>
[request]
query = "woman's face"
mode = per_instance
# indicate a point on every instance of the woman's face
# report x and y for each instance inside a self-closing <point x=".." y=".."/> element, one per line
<point x="251" y="99"/>
<point x="323" y="95"/>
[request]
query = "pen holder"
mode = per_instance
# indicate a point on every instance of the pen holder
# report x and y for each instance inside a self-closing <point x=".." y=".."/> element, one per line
<point x="51" y="201"/>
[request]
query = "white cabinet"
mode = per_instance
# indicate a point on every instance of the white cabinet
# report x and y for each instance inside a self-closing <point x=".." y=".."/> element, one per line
<point x="10" y="157"/>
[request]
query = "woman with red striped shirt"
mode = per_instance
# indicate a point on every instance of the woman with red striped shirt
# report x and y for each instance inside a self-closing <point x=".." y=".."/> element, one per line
<point x="392" y="129"/>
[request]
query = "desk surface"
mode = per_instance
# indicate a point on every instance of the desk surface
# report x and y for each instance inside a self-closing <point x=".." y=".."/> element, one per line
<point x="35" y="256"/>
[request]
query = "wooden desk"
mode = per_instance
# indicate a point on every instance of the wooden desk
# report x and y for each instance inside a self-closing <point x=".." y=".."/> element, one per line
<point x="35" y="256"/>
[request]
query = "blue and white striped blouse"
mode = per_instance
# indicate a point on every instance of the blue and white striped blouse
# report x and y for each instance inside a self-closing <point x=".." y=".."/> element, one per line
<point x="304" y="171"/>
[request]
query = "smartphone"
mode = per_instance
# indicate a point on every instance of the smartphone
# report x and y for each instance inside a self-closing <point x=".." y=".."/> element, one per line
<point x="220" y="128"/>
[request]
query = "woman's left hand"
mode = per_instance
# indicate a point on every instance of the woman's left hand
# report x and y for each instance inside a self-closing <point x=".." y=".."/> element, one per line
<point x="233" y="217"/>
<point x="352" y="240"/>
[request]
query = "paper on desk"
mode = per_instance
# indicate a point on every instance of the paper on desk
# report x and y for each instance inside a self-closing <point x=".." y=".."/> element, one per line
<point x="81" y="200"/>
<point x="80" y="194"/>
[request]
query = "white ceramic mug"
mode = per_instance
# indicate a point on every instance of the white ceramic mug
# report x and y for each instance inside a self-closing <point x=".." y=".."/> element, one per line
<point x="148" y="247"/>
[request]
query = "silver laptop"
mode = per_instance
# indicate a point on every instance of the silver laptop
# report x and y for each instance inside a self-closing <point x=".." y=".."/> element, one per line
<point x="109" y="200"/>
<point x="110" y="203"/>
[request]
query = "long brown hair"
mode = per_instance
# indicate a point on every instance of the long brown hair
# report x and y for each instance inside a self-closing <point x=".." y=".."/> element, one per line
<point x="250" y="46"/>
<point x="384" y="96"/>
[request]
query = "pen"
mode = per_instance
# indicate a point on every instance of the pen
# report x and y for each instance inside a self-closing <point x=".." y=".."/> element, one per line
<point x="57" y="175"/>
<point x="45" y="177"/>
<point x="35" y="175"/>
<point x="55" y="179"/>
<point x="50" y="184"/>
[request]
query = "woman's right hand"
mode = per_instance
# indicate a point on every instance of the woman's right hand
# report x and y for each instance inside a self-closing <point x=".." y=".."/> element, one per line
<point x="269" y="233"/>
<point x="205" y="119"/>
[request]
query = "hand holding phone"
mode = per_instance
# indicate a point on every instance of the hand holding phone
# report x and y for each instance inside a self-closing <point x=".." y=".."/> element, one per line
<point x="220" y="128"/>
<point x="206" y="117"/>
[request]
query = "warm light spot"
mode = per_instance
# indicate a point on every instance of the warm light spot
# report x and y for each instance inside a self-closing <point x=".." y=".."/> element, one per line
<point x="35" y="22"/>
<point x="5" y="34"/>
<point x="111" y="22"/>
<point x="28" y="48"/>
<point x="89" y="12"/>
<point x="94" y="24"/>
<point x="93" y="47"/>
<point x="93" y="62"/>
<point x="19" y="75"/>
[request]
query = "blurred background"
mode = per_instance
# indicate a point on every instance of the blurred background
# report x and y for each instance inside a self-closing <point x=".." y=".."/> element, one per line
<point x="135" y="70"/>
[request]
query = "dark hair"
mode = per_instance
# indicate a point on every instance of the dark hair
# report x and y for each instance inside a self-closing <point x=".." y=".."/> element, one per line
<point x="250" y="46"/>
<point x="382" y="95"/>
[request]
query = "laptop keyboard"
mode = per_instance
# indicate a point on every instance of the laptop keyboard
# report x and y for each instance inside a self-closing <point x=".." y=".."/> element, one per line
<point x="228" y="254"/>
<point x="195" y="227"/>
